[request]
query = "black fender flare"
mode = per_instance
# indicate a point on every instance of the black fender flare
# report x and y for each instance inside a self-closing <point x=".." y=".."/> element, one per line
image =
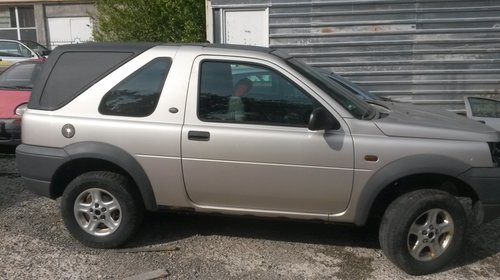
<point x="119" y="157"/>
<point x="411" y="165"/>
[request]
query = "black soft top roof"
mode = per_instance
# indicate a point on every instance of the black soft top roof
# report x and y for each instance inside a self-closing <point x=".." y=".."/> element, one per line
<point x="106" y="46"/>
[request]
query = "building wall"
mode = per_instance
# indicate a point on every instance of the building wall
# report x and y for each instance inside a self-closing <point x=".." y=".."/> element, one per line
<point x="429" y="52"/>
<point x="68" y="10"/>
<point x="68" y="23"/>
<point x="48" y="11"/>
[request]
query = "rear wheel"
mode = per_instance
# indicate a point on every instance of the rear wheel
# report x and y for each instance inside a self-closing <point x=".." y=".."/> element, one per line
<point x="101" y="209"/>
<point x="422" y="231"/>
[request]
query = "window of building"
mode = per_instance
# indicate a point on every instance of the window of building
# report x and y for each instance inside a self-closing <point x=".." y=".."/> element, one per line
<point x="248" y="93"/>
<point x="18" y="23"/>
<point x="138" y="94"/>
<point x="25" y="16"/>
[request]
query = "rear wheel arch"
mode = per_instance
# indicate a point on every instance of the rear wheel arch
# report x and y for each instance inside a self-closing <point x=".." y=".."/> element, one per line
<point x="96" y="156"/>
<point x="409" y="174"/>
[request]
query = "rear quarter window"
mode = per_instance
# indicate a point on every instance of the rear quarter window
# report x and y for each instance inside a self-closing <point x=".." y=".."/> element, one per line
<point x="74" y="72"/>
<point x="138" y="94"/>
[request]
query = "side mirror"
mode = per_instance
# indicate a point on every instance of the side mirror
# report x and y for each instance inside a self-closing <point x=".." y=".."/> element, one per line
<point x="321" y="119"/>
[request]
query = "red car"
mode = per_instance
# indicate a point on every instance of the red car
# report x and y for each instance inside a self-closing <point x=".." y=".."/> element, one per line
<point x="16" y="83"/>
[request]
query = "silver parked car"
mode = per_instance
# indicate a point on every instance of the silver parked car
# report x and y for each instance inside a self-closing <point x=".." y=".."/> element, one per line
<point x="116" y="129"/>
<point x="12" y="51"/>
<point x="484" y="110"/>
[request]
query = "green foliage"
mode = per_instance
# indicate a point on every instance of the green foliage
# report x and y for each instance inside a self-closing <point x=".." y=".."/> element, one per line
<point x="150" y="20"/>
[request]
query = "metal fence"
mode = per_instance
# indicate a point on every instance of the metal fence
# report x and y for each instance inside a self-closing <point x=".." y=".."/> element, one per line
<point x="427" y="51"/>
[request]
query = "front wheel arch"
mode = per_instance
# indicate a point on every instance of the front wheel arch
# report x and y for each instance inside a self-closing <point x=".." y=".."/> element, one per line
<point x="384" y="180"/>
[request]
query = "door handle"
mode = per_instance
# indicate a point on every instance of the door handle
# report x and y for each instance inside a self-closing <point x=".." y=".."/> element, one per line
<point x="199" y="135"/>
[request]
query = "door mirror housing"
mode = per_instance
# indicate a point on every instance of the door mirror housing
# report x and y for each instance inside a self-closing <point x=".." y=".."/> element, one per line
<point x="321" y="119"/>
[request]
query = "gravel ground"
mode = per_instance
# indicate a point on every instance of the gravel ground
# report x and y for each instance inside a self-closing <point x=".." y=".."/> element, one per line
<point x="34" y="244"/>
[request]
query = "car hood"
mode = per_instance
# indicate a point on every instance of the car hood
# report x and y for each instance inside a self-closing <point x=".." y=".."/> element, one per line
<point x="405" y="120"/>
<point x="10" y="99"/>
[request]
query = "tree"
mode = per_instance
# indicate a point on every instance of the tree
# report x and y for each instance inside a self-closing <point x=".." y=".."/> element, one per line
<point x="150" y="20"/>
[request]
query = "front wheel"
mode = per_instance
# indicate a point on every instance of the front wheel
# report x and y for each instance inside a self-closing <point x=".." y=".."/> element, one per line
<point x="101" y="210"/>
<point x="422" y="231"/>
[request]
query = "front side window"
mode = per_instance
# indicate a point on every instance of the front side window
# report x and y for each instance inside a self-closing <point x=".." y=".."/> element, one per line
<point x="138" y="94"/>
<point x="14" y="49"/>
<point x="485" y="108"/>
<point x="23" y="51"/>
<point x="249" y="93"/>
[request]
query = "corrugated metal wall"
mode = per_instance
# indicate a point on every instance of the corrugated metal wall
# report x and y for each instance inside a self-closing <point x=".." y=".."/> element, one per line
<point x="429" y="52"/>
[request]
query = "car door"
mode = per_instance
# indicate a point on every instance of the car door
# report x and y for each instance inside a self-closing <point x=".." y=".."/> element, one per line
<point x="246" y="145"/>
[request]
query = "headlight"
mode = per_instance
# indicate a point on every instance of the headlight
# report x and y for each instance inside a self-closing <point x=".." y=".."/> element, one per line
<point x="21" y="109"/>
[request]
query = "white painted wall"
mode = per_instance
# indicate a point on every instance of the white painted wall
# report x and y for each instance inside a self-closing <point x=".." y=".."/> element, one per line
<point x="246" y="27"/>
<point x="69" y="30"/>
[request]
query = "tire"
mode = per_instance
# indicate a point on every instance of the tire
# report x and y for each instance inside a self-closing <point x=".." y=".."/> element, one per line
<point x="422" y="231"/>
<point x="101" y="209"/>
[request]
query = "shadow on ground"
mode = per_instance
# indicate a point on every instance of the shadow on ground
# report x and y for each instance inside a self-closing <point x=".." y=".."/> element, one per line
<point x="169" y="227"/>
<point x="9" y="150"/>
<point x="482" y="241"/>
<point x="11" y="185"/>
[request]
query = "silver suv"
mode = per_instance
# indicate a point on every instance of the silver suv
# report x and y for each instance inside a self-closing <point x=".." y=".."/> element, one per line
<point x="116" y="129"/>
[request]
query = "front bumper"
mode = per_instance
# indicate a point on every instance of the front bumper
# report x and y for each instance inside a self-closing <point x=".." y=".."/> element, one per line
<point x="10" y="131"/>
<point x="486" y="184"/>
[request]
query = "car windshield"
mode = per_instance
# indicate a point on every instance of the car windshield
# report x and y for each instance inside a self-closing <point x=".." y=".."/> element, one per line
<point x="340" y="93"/>
<point x="20" y="76"/>
<point x="361" y="92"/>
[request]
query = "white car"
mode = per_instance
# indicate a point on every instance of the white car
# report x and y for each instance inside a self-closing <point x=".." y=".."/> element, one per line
<point x="12" y="51"/>
<point x="485" y="110"/>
